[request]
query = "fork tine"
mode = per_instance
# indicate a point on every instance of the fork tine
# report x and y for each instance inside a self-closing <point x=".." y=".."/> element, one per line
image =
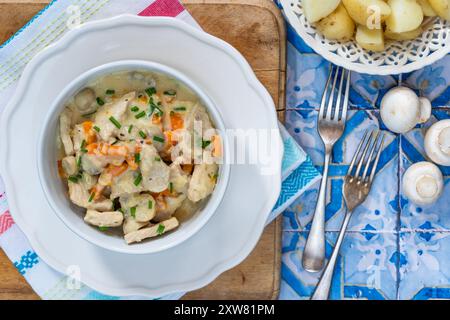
<point x="375" y="165"/>
<point x="363" y="156"/>
<point x="324" y="96"/>
<point x="331" y="99"/>
<point x="376" y="140"/>
<point x="346" y="97"/>
<point x="350" y="168"/>
<point x="338" y="107"/>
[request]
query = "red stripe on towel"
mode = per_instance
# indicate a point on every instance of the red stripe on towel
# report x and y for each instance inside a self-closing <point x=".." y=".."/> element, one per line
<point x="6" y="221"/>
<point x="163" y="8"/>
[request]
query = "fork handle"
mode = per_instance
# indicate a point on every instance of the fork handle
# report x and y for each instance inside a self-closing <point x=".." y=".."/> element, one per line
<point x="322" y="291"/>
<point x="314" y="252"/>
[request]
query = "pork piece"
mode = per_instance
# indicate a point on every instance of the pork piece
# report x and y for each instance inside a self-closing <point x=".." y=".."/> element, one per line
<point x="153" y="231"/>
<point x="178" y="178"/>
<point x="139" y="206"/>
<point x="65" y="120"/>
<point x="202" y="182"/>
<point x="155" y="173"/>
<point x="69" y="165"/>
<point x="104" y="219"/>
<point x="124" y="184"/>
<point x="167" y="206"/>
<point x="130" y="224"/>
<point x="79" y="195"/>
<point x="113" y="109"/>
<point x="93" y="164"/>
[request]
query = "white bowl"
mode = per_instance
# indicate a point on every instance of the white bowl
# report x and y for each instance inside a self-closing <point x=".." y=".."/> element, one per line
<point x="398" y="57"/>
<point x="55" y="188"/>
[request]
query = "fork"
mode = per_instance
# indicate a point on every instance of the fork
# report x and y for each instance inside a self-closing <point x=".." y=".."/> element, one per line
<point x="331" y="124"/>
<point x="356" y="188"/>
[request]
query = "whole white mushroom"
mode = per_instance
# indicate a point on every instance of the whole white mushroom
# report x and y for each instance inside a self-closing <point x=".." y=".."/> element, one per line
<point x="423" y="183"/>
<point x="401" y="109"/>
<point x="437" y="142"/>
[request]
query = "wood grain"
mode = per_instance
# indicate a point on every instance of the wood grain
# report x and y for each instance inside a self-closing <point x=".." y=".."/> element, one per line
<point x="256" y="29"/>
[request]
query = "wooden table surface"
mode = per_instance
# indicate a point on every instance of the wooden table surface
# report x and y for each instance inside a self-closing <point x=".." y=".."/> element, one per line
<point x="256" y="29"/>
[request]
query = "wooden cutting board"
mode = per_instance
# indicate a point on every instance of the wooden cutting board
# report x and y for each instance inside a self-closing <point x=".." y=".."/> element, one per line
<point x="254" y="27"/>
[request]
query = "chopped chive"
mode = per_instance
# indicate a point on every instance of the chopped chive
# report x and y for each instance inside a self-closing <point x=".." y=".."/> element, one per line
<point x="150" y="204"/>
<point x="110" y="91"/>
<point x="102" y="228"/>
<point x="82" y="146"/>
<point x="138" y="180"/>
<point x="160" y="229"/>
<point x="96" y="128"/>
<point x="179" y="108"/>
<point x="133" y="212"/>
<point x="158" y="138"/>
<point x="134" y="108"/>
<point x="115" y="122"/>
<point x="100" y="101"/>
<point x="142" y="134"/>
<point x="137" y="157"/>
<point x="170" y="187"/>
<point x="91" y="197"/>
<point x="79" y="162"/>
<point x="157" y="159"/>
<point x="170" y="92"/>
<point x="140" y="115"/>
<point x="205" y="143"/>
<point x="150" y="91"/>
<point x="130" y="128"/>
<point x="73" y="179"/>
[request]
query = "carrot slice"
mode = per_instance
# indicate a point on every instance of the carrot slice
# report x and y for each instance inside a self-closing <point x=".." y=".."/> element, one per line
<point x="176" y="121"/>
<point x="97" y="191"/>
<point x="91" y="137"/>
<point x="117" y="170"/>
<point x="217" y="143"/>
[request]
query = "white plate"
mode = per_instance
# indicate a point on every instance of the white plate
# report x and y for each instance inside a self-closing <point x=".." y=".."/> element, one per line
<point x="226" y="77"/>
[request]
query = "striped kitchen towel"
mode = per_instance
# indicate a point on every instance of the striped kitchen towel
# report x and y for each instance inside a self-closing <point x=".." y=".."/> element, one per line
<point x="48" y="26"/>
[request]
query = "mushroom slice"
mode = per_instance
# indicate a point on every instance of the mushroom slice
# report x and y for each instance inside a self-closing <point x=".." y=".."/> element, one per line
<point x="202" y="182"/>
<point x="153" y="231"/>
<point x="187" y="209"/>
<point x="130" y="224"/>
<point x="109" y="114"/>
<point x="437" y="142"/>
<point x="155" y="173"/>
<point x="124" y="184"/>
<point x="85" y="101"/>
<point x="79" y="195"/>
<point x="139" y="206"/>
<point x="423" y="183"/>
<point x="166" y="206"/>
<point x="104" y="219"/>
<point x="65" y="120"/>
<point x="69" y="165"/>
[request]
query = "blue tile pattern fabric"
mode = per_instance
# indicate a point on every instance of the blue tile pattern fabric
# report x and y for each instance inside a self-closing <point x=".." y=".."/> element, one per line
<point x="394" y="249"/>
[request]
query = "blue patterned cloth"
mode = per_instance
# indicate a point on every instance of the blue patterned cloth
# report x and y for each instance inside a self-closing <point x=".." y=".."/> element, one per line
<point x="394" y="249"/>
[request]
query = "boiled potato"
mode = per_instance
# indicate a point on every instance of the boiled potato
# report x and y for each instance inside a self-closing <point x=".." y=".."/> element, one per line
<point x="441" y="7"/>
<point x="406" y="15"/>
<point x="409" y="35"/>
<point x="363" y="13"/>
<point x="316" y="10"/>
<point x="338" y="25"/>
<point x="427" y="9"/>
<point x="372" y="40"/>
